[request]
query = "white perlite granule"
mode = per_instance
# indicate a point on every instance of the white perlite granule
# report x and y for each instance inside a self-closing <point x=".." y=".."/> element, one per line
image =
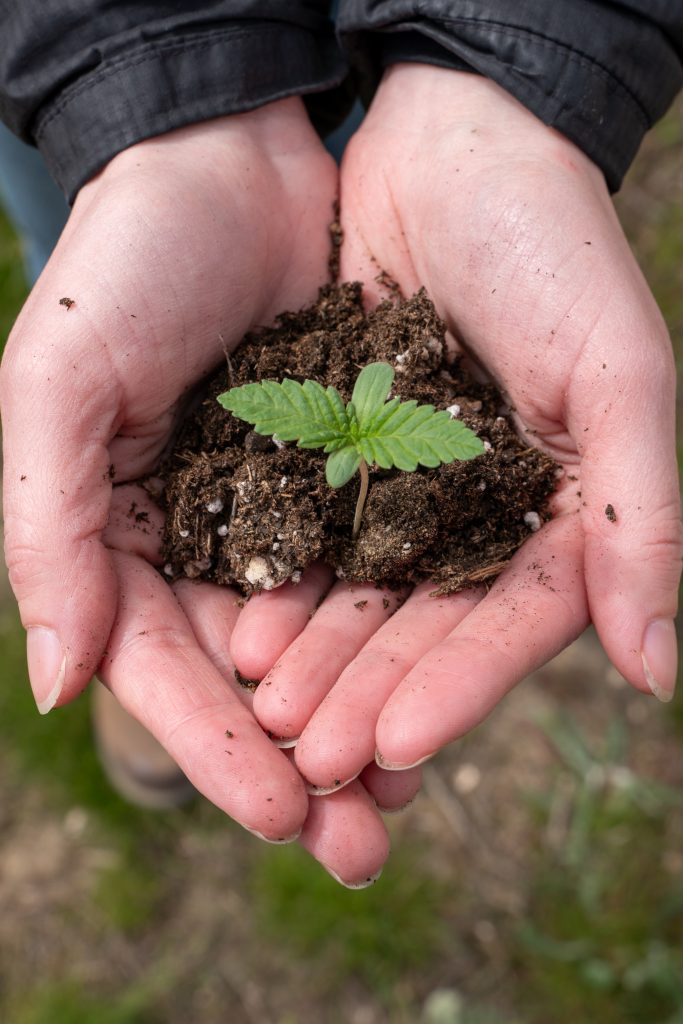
<point x="258" y="573"/>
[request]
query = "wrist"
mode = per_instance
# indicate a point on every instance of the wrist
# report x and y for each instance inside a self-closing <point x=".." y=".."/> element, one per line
<point x="425" y="103"/>
<point x="272" y="132"/>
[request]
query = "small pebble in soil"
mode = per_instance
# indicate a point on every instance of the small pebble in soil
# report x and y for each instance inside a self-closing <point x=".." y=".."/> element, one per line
<point x="533" y="521"/>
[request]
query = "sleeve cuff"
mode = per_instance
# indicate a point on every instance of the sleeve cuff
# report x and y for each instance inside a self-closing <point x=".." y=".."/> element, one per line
<point x="157" y="87"/>
<point x="603" y="100"/>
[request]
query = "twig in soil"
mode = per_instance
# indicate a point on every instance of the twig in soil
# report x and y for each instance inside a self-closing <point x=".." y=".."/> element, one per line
<point x="494" y="569"/>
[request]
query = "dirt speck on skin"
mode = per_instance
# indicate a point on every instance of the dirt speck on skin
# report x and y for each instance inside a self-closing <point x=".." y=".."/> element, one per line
<point x="247" y="510"/>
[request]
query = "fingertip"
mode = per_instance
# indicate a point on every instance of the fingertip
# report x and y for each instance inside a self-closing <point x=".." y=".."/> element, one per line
<point x="259" y="636"/>
<point x="659" y="656"/>
<point x="363" y="883"/>
<point x="271" y="620"/>
<point x="252" y="654"/>
<point x="346" y="834"/>
<point x="62" y="657"/>
<point x="392" y="791"/>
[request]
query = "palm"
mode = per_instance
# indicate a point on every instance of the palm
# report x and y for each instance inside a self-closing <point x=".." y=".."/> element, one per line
<point x="518" y="244"/>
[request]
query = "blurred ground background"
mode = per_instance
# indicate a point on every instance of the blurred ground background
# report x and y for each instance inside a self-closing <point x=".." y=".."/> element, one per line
<point x="537" y="880"/>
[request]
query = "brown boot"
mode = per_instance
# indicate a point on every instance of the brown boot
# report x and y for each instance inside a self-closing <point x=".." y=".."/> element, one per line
<point x="138" y="767"/>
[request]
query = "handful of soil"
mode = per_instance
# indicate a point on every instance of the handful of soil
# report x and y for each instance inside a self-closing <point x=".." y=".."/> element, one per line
<point x="249" y="510"/>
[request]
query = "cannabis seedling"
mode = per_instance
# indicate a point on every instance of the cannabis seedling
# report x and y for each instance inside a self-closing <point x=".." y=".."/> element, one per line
<point x="368" y="429"/>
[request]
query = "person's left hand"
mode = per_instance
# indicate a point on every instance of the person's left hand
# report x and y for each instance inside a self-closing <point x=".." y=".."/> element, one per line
<point x="451" y="184"/>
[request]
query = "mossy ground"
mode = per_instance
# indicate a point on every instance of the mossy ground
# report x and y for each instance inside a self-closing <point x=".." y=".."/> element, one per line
<point x="538" y="878"/>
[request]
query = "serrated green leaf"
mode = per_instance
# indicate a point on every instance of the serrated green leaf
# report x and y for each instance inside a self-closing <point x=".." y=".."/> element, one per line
<point x="413" y="435"/>
<point x="387" y="433"/>
<point x="370" y="391"/>
<point x="308" y="413"/>
<point x="341" y="466"/>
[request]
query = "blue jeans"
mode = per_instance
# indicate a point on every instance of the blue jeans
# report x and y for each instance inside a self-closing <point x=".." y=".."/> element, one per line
<point x="33" y="202"/>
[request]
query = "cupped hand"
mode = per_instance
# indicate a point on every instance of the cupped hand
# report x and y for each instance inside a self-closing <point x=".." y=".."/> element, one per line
<point x="452" y="185"/>
<point x="167" y="659"/>
<point x="171" y="253"/>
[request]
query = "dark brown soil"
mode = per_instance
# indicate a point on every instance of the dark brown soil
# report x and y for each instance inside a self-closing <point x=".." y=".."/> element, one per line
<point x="243" y="509"/>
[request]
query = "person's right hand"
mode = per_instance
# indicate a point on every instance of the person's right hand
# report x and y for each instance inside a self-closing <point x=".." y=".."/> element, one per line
<point x="171" y="253"/>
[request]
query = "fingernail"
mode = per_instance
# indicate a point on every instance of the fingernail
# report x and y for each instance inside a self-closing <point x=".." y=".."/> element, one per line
<point x="274" y="842"/>
<point x="363" y="884"/>
<point x="660" y="658"/>
<point x="393" y="766"/>
<point x="326" y="790"/>
<point x="284" y="742"/>
<point x="395" y="810"/>
<point x="46" y="666"/>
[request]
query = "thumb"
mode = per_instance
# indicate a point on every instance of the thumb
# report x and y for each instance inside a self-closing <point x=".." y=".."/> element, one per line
<point x="630" y="507"/>
<point x="57" y="421"/>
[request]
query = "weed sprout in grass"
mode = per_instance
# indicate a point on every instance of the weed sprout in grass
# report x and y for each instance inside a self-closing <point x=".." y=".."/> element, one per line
<point x="370" y="429"/>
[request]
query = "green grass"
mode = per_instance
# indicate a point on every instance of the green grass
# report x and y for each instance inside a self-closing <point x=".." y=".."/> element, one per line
<point x="56" y="750"/>
<point x="130" y="894"/>
<point x="13" y="289"/>
<point x="602" y="937"/>
<point x="68" y="1003"/>
<point x="376" y="934"/>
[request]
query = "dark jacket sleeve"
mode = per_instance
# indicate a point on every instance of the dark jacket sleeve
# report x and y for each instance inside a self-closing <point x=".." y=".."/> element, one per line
<point x="600" y="71"/>
<point x="84" y="79"/>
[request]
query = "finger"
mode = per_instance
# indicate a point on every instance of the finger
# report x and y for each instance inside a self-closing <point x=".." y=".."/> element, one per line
<point x="345" y="833"/>
<point x="535" y="608"/>
<point x="57" y="421"/>
<point x="306" y="672"/>
<point x="630" y="509"/>
<point x="391" y="791"/>
<point x="339" y="740"/>
<point x="212" y="612"/>
<point x="159" y="675"/>
<point x="135" y="524"/>
<point x="272" y="619"/>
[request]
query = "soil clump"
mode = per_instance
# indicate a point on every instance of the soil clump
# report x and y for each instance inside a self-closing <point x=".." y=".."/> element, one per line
<point x="251" y="511"/>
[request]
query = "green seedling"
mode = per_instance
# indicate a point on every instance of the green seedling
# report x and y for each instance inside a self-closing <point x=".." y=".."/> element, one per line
<point x="367" y="430"/>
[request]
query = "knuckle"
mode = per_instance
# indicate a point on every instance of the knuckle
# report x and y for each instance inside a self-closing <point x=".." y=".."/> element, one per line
<point x="26" y="567"/>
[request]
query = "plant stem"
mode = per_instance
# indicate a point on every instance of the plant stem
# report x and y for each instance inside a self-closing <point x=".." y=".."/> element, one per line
<point x="362" y="495"/>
